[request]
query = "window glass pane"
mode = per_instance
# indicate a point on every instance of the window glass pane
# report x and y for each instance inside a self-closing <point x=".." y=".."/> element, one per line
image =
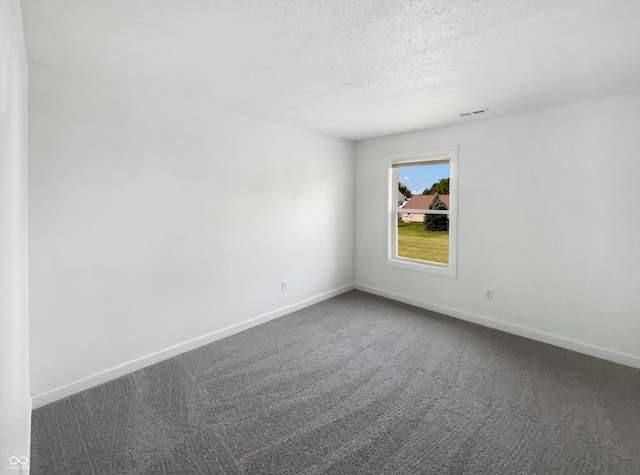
<point x="415" y="242"/>
<point x="424" y="237"/>
<point x="423" y="177"/>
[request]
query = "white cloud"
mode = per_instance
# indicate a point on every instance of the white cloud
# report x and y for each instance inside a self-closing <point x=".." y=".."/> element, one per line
<point x="416" y="192"/>
<point x="406" y="178"/>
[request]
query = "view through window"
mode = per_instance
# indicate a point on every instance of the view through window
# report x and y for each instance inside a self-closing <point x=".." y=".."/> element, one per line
<point x="422" y="234"/>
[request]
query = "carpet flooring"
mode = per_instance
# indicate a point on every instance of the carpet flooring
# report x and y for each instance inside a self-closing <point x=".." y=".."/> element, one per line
<point x="353" y="385"/>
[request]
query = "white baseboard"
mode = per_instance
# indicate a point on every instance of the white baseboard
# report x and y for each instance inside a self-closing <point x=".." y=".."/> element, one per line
<point x="562" y="342"/>
<point x="42" y="399"/>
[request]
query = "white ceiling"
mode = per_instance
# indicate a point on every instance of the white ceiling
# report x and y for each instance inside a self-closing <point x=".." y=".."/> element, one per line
<point x="349" y="68"/>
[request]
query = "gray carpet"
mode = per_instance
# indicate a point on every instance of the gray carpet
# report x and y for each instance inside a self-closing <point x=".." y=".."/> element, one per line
<point x="354" y="385"/>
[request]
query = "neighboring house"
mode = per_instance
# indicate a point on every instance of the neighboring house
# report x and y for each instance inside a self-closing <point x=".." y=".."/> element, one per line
<point x="411" y="209"/>
<point x="401" y="198"/>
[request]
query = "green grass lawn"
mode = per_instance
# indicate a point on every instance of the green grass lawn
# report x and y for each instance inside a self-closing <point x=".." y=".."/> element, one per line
<point x="416" y="243"/>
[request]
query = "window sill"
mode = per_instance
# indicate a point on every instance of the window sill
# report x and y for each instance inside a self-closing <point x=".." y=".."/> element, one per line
<point x="415" y="265"/>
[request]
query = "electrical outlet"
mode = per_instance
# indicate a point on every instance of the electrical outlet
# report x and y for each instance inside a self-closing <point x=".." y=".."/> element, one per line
<point x="283" y="285"/>
<point x="488" y="294"/>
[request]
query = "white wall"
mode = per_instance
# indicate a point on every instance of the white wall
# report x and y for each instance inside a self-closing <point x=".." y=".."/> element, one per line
<point x="156" y="222"/>
<point x="15" y="402"/>
<point x="548" y="218"/>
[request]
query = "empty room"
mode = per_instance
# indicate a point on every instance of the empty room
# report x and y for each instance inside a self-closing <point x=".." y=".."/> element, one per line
<point x="319" y="237"/>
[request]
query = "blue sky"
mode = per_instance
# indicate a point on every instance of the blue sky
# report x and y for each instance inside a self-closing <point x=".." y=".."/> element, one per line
<point x="420" y="177"/>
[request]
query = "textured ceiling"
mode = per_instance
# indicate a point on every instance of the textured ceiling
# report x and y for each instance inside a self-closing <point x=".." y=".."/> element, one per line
<point x="353" y="69"/>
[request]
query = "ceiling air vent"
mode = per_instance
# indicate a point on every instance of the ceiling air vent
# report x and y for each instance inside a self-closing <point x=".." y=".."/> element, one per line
<point x="479" y="111"/>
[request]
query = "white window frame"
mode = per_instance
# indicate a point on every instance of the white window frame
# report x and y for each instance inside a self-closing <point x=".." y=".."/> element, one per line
<point x="417" y="158"/>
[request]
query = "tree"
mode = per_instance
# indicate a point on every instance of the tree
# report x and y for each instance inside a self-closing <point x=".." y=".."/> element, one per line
<point x="442" y="188"/>
<point x="404" y="190"/>
<point x="436" y="222"/>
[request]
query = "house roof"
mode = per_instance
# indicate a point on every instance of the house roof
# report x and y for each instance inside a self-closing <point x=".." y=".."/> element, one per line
<point x="422" y="201"/>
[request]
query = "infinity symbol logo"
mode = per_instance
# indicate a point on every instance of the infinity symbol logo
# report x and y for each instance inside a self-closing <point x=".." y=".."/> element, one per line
<point x="13" y="460"/>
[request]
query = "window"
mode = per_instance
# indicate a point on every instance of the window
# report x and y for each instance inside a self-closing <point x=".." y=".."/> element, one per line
<point x="423" y="228"/>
